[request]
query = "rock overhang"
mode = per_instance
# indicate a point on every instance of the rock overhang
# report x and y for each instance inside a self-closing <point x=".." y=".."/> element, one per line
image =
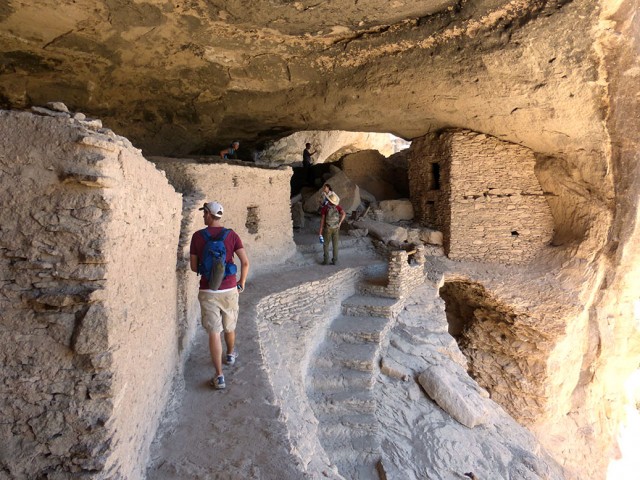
<point x="181" y="78"/>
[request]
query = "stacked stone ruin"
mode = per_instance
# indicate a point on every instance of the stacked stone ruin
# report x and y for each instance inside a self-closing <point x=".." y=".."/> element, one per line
<point x="484" y="196"/>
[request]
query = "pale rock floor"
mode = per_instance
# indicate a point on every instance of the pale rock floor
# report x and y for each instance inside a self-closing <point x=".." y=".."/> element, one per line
<point x="369" y="424"/>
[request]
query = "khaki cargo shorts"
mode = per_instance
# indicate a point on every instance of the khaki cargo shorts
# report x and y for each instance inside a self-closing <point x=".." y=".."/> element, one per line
<point x="219" y="310"/>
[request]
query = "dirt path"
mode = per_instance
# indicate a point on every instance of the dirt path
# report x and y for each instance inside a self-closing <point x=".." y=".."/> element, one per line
<point x="237" y="433"/>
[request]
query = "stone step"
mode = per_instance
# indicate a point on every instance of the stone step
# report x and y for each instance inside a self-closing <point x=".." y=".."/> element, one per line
<point x="356" y="356"/>
<point x="327" y="380"/>
<point x="366" y="443"/>
<point x="359" y="466"/>
<point x="356" y="464"/>
<point x="365" y="305"/>
<point x="346" y="402"/>
<point x="357" y="423"/>
<point x="351" y="329"/>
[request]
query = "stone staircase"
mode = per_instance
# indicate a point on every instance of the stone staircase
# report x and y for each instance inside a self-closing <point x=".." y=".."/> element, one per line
<point x="342" y="378"/>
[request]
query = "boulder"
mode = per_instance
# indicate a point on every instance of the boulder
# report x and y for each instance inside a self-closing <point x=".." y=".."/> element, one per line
<point x="383" y="231"/>
<point x="358" y="232"/>
<point x="431" y="237"/>
<point x="413" y="236"/>
<point x="58" y="107"/>
<point x="369" y="169"/>
<point x="348" y="192"/>
<point x="397" y="210"/>
<point x="366" y="196"/>
<point x="459" y="399"/>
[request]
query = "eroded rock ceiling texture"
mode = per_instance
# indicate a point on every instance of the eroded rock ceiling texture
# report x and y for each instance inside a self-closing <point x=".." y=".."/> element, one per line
<point x="185" y="76"/>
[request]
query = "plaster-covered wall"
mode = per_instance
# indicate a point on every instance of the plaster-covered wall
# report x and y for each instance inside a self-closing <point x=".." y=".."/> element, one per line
<point x="484" y="194"/>
<point x="88" y="235"/>
<point x="256" y="206"/>
<point x="255" y="200"/>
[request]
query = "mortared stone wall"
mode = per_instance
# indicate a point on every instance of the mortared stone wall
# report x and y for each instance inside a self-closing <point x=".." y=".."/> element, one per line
<point x="483" y="194"/>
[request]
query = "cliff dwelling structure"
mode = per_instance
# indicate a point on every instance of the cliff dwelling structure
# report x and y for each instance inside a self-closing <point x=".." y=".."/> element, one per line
<point x="483" y="320"/>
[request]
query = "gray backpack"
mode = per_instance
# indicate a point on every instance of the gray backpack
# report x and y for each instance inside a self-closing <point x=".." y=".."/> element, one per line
<point x="332" y="218"/>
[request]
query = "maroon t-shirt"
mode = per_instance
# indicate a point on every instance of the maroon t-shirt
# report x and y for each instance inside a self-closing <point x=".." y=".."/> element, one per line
<point x="232" y="243"/>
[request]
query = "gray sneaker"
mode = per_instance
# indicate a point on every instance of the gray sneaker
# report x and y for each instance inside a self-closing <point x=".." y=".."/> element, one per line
<point x="218" y="382"/>
<point x="231" y="357"/>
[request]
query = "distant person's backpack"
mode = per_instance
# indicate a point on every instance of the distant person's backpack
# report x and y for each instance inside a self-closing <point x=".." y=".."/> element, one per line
<point x="214" y="266"/>
<point x="332" y="218"/>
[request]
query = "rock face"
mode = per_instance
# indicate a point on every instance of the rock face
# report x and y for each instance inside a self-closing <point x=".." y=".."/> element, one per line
<point x="557" y="78"/>
<point x="189" y="77"/>
<point x="88" y="278"/>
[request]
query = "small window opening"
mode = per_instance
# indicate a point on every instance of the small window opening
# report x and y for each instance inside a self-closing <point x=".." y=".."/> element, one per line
<point x="252" y="220"/>
<point x="435" y="176"/>
<point x="235" y="181"/>
<point x="514" y="233"/>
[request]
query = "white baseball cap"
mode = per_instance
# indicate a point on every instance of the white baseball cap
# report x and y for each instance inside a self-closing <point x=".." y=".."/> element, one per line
<point x="214" y="208"/>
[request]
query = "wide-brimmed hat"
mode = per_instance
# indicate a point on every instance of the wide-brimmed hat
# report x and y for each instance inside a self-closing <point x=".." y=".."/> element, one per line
<point x="333" y="198"/>
<point x="214" y="208"/>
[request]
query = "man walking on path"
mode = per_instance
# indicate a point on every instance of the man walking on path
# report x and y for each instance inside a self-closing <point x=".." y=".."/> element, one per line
<point x="332" y="217"/>
<point x="219" y="307"/>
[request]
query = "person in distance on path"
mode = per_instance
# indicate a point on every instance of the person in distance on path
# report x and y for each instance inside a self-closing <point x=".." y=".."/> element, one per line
<point x="332" y="217"/>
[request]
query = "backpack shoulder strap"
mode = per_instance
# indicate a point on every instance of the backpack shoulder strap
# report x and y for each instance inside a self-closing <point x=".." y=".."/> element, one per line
<point x="205" y="234"/>
<point x="223" y="234"/>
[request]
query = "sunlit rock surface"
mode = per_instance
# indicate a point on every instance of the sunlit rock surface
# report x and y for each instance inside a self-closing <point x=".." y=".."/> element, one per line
<point x="559" y="78"/>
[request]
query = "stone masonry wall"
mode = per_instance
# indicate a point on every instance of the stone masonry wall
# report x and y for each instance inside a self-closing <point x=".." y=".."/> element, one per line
<point x="88" y="235"/>
<point x="490" y="201"/>
<point x="300" y="316"/>
<point x="404" y="274"/>
<point x="429" y="195"/>
<point x="498" y="209"/>
<point x="256" y="206"/>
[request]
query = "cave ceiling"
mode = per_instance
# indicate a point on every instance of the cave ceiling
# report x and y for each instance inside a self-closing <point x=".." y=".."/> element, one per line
<point x="188" y="76"/>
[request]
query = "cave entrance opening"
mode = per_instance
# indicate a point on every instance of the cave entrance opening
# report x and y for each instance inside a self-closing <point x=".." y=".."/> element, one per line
<point x="364" y="157"/>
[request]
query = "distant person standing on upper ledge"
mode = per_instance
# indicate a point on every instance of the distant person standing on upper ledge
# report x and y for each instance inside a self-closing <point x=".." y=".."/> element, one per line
<point x="307" y="163"/>
<point x="231" y="152"/>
